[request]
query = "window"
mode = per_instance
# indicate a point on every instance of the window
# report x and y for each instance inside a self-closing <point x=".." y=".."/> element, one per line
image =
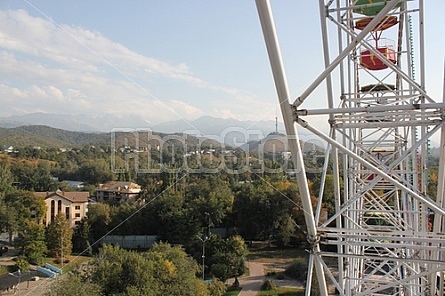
<point x="77" y="215"/>
<point x="77" y="208"/>
<point x="53" y="206"/>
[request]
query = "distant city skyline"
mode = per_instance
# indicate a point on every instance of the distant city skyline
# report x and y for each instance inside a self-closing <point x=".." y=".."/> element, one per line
<point x="165" y="60"/>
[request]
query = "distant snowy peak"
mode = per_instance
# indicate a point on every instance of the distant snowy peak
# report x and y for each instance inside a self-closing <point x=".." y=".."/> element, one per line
<point x="213" y="126"/>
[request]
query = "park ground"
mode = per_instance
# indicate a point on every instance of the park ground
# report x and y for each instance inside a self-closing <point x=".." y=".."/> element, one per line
<point x="263" y="263"/>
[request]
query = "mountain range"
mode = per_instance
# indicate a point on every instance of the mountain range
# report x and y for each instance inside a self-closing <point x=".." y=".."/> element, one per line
<point x="203" y="126"/>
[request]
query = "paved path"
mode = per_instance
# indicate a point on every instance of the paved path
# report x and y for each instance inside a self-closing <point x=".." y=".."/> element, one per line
<point x="252" y="284"/>
<point x="26" y="286"/>
<point x="29" y="287"/>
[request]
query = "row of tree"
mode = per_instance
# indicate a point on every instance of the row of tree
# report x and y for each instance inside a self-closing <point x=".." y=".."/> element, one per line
<point x="162" y="270"/>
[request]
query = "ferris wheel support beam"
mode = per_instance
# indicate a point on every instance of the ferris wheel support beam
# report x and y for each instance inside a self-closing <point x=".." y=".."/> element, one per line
<point x="370" y="185"/>
<point x="273" y="49"/>
<point x="333" y="151"/>
<point x="376" y="20"/>
<point x="426" y="106"/>
<point x="440" y="197"/>
<point x="434" y="206"/>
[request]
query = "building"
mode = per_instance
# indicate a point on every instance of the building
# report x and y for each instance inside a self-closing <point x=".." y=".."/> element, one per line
<point x="73" y="204"/>
<point x="118" y="191"/>
<point x="8" y="149"/>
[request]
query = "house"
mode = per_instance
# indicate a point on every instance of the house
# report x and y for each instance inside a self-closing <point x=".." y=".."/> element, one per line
<point x="73" y="204"/>
<point x="8" y="149"/>
<point x="117" y="191"/>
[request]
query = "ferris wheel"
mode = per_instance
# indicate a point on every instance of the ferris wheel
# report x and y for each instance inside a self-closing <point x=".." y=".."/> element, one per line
<point x="387" y="234"/>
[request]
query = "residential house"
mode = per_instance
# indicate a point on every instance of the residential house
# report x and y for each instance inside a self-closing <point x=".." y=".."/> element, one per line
<point x="118" y="191"/>
<point x="73" y="204"/>
<point x="8" y="149"/>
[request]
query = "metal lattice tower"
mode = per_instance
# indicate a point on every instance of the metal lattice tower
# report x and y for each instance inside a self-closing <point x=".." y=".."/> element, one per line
<point x="387" y="233"/>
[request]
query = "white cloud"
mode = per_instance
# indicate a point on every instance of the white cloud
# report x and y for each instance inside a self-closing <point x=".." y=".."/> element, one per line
<point x="56" y="68"/>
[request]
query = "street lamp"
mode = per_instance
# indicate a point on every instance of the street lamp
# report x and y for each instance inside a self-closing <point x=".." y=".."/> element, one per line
<point x="203" y="240"/>
<point x="19" y="276"/>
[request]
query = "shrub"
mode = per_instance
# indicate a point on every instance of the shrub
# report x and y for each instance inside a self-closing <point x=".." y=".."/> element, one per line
<point x="217" y="288"/>
<point x="297" y="269"/>
<point x="280" y="276"/>
<point x="22" y="263"/>
<point x="268" y="285"/>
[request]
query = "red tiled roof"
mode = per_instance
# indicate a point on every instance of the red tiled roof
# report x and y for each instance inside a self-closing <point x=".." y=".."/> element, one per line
<point x="75" y="197"/>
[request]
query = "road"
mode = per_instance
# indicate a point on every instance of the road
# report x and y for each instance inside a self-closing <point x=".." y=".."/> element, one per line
<point x="252" y="284"/>
<point x="26" y="286"/>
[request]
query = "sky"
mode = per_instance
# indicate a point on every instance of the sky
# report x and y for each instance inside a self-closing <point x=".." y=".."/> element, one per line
<point x="165" y="60"/>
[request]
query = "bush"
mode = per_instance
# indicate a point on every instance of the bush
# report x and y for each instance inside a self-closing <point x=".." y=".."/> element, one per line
<point x="297" y="269"/>
<point x="22" y="263"/>
<point x="217" y="288"/>
<point x="268" y="285"/>
<point x="280" y="276"/>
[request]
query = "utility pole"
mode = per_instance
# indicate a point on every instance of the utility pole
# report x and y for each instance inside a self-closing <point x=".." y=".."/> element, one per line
<point x="203" y="239"/>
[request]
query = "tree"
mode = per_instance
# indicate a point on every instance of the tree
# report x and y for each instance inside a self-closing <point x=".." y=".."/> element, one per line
<point x="264" y="210"/>
<point x="8" y="212"/>
<point x="167" y="216"/>
<point x="99" y="216"/>
<point x="8" y="219"/>
<point x="328" y="192"/>
<point x="81" y="238"/>
<point x="96" y="171"/>
<point x="209" y="195"/>
<point x="224" y="257"/>
<point x="58" y="236"/>
<point x="217" y="287"/>
<point x="32" y="241"/>
<point x="163" y="270"/>
<point x="176" y="270"/>
<point x="21" y="263"/>
<point x="34" y="177"/>
<point x="30" y="207"/>
<point x="74" y="285"/>
<point x="6" y="179"/>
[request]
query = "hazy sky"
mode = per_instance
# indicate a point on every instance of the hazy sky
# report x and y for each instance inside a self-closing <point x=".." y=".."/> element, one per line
<point x="164" y="60"/>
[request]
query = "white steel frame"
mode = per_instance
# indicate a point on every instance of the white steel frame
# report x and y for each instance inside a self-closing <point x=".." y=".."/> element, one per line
<point x="388" y="233"/>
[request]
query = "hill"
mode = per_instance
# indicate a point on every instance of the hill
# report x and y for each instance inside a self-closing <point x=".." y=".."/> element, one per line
<point x="74" y="122"/>
<point x="45" y="136"/>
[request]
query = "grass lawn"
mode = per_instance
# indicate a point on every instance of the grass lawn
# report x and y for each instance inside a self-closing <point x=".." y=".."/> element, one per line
<point x="283" y="292"/>
<point x="73" y="264"/>
<point x="275" y="255"/>
<point x="232" y="291"/>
